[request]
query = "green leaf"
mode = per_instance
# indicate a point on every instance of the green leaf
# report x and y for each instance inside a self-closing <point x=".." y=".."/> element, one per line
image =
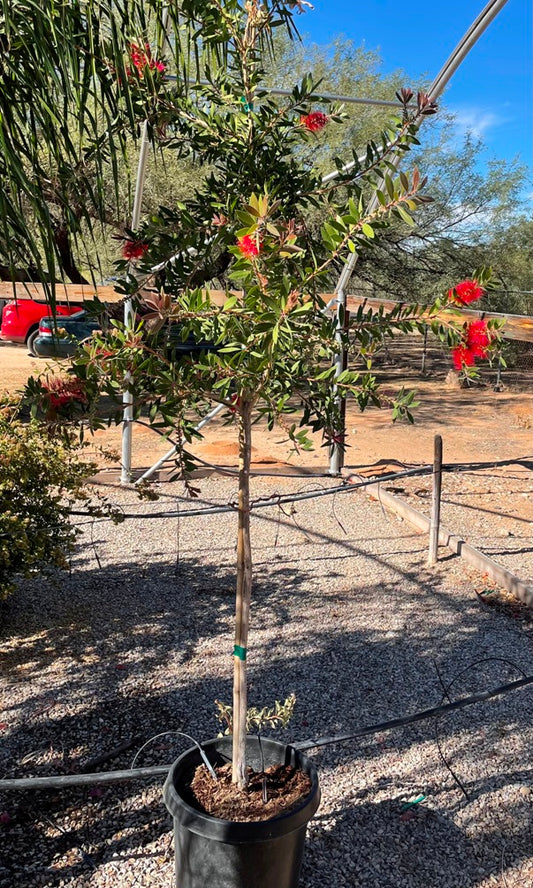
<point x="405" y="216"/>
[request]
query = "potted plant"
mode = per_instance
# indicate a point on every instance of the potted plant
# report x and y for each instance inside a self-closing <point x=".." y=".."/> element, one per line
<point x="264" y="227"/>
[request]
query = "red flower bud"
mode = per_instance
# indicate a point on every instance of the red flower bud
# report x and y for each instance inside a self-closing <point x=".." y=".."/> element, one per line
<point x="425" y="104"/>
<point x="404" y="95"/>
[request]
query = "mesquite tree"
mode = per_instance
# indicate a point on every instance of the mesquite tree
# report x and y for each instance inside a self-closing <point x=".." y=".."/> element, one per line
<point x="251" y="228"/>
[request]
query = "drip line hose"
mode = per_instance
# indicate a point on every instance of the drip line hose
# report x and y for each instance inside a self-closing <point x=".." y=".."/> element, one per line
<point x="205" y="760"/>
<point x="277" y="499"/>
<point x="274" y="499"/>
<point x="68" y="781"/>
<point x="417" y="716"/>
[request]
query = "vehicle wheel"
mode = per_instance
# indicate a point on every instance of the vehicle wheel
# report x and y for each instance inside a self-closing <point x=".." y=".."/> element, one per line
<point x="32" y="336"/>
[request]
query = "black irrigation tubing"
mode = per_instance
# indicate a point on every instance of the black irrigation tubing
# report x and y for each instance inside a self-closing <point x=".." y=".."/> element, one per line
<point x="417" y="716"/>
<point x="446" y="696"/>
<point x="274" y="499"/>
<point x="71" y="780"/>
<point x="526" y="461"/>
<point x="346" y="487"/>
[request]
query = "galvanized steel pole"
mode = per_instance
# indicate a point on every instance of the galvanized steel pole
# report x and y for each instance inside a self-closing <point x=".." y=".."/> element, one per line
<point x="434" y="526"/>
<point x="127" y="397"/>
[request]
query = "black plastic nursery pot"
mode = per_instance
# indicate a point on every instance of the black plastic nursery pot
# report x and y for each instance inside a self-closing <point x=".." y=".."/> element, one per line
<point x="214" y="853"/>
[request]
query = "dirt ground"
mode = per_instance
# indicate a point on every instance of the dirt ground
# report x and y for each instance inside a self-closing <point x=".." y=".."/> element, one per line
<point x="476" y="424"/>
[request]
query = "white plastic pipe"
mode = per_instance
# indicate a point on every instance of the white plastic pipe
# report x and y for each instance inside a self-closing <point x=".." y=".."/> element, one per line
<point x="127" y="397"/>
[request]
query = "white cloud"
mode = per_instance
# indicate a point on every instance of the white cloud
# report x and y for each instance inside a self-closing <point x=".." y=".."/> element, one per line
<point x="477" y="121"/>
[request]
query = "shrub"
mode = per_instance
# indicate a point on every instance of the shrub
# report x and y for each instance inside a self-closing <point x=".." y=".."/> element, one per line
<point x="40" y="475"/>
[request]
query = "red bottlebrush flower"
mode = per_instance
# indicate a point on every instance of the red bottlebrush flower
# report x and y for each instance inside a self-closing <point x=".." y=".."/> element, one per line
<point x="134" y="250"/>
<point x="478" y="338"/>
<point x="141" y="58"/>
<point x="475" y="342"/>
<point x="315" y="121"/>
<point x="463" y="356"/>
<point x="61" y="391"/>
<point x="248" y="246"/>
<point x="466" y="292"/>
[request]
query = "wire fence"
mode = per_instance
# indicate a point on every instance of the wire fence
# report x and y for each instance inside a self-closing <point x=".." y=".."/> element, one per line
<point x="426" y="356"/>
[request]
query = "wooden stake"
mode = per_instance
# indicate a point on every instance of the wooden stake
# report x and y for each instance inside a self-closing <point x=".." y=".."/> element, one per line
<point x="243" y="597"/>
<point x="435" y="502"/>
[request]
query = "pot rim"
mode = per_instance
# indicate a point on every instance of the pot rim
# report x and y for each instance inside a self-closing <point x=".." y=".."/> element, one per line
<point x="239" y="831"/>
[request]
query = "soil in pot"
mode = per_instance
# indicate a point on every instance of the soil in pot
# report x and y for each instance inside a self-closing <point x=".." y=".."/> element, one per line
<point x="274" y="791"/>
<point x="212" y="852"/>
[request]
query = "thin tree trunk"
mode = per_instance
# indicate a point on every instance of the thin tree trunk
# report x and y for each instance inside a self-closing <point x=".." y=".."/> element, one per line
<point x="242" y="608"/>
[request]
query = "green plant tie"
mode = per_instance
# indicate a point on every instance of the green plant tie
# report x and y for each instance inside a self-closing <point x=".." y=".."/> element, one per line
<point x="415" y="802"/>
<point x="247" y="106"/>
<point x="239" y="652"/>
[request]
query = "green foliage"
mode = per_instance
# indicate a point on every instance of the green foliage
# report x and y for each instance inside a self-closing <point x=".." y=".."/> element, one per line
<point x="40" y="476"/>
<point x="85" y="156"/>
<point x="270" y="717"/>
<point x="474" y="218"/>
<point x="247" y="220"/>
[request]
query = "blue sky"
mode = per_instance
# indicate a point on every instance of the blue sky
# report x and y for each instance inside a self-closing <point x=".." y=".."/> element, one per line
<point x="491" y="92"/>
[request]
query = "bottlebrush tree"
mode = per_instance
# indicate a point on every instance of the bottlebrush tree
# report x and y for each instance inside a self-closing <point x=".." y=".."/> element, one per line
<point x="248" y="222"/>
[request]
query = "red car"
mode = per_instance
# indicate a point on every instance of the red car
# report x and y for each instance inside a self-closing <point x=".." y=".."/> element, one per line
<point x="20" y="320"/>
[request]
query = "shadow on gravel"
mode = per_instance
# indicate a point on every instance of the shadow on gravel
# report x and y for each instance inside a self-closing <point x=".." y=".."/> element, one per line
<point x="380" y="846"/>
<point x="115" y="630"/>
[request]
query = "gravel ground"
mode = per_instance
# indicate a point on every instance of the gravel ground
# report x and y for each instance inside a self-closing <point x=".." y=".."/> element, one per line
<point x="490" y="507"/>
<point x="137" y="639"/>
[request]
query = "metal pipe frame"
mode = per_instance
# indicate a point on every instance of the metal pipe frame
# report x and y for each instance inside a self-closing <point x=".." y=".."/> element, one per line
<point x="127" y="397"/>
<point x="438" y="85"/>
<point x="320" y="96"/>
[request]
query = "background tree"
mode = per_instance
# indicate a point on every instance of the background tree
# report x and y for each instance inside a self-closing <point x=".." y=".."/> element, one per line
<point x="65" y="207"/>
<point x="476" y="206"/>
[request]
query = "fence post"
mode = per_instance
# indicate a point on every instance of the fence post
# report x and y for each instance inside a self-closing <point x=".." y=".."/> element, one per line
<point x="435" y="500"/>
